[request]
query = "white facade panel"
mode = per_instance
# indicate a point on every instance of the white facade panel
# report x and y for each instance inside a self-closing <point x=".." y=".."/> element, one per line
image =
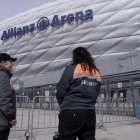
<point x="113" y="31"/>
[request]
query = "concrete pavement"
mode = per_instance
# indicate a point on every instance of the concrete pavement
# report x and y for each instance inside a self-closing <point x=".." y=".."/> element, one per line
<point x="115" y="131"/>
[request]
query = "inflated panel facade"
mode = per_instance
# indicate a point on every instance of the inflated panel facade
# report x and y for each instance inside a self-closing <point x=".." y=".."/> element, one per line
<point x="113" y="30"/>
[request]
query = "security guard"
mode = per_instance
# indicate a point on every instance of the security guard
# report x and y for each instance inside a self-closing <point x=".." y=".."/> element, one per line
<point x="77" y="92"/>
<point x="7" y="96"/>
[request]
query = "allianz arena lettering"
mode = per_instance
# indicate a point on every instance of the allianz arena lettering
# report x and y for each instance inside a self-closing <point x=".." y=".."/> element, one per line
<point x="43" y="23"/>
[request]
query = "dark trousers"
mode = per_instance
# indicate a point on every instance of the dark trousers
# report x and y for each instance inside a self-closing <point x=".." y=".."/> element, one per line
<point x="4" y="134"/>
<point x="77" y="123"/>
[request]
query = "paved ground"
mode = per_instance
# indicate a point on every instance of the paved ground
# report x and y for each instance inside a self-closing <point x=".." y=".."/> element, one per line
<point x="126" y="130"/>
<point x="115" y="131"/>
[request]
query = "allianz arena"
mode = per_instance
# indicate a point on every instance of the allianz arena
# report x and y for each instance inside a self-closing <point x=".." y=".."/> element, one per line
<point x="43" y="39"/>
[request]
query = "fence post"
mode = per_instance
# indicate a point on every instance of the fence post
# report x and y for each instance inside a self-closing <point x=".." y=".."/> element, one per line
<point x="29" y="107"/>
<point x="101" y="114"/>
<point x="132" y="88"/>
<point x="31" y="133"/>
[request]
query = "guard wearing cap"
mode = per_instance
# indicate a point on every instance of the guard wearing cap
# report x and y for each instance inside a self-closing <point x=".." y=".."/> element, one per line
<point x="7" y="96"/>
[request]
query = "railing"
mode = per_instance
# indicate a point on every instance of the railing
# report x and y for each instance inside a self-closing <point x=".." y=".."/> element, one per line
<point x="45" y="111"/>
<point x="23" y="105"/>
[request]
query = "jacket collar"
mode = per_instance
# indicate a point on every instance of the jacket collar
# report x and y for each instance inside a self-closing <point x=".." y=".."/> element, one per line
<point x="6" y="71"/>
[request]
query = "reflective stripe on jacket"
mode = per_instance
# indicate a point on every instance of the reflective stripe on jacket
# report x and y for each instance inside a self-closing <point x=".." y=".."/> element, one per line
<point x="78" y="89"/>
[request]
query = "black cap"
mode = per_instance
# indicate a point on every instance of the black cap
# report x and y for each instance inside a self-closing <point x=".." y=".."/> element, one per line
<point x="6" y="57"/>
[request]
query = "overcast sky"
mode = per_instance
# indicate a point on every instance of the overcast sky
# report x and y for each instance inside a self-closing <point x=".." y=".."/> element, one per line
<point x="9" y="8"/>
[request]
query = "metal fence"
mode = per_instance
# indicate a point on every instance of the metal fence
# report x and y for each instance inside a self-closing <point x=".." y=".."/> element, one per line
<point x="45" y="111"/>
<point x="108" y="110"/>
<point x="23" y="114"/>
<point x="118" y="109"/>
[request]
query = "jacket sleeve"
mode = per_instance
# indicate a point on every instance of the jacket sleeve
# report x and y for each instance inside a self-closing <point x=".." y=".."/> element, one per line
<point x="6" y="104"/>
<point x="64" y="83"/>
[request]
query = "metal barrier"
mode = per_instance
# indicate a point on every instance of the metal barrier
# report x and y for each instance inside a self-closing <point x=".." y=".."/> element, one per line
<point x="108" y="110"/>
<point x="111" y="110"/>
<point x="118" y="109"/>
<point x="46" y="110"/>
<point x="99" y="114"/>
<point x="23" y="114"/>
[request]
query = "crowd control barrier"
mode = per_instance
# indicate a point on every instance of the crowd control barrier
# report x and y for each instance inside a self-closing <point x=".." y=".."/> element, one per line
<point x="23" y="105"/>
<point x="118" y="109"/>
<point x="45" y="112"/>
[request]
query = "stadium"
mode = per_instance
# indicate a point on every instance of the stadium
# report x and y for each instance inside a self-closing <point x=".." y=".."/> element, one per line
<point x="44" y="37"/>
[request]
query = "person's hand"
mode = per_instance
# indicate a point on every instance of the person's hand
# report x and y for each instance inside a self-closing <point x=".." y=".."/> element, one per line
<point x="13" y="122"/>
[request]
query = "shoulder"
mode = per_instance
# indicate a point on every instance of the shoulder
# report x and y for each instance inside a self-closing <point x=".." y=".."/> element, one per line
<point x="70" y="67"/>
<point x="3" y="75"/>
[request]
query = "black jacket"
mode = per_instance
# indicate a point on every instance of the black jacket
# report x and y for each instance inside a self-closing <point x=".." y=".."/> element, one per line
<point x="7" y="100"/>
<point x="78" y="89"/>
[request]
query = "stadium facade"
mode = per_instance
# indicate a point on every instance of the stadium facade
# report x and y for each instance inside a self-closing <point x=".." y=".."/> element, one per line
<point x="43" y="39"/>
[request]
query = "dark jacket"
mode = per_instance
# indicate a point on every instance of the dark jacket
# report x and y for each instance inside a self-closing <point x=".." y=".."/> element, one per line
<point x="7" y="100"/>
<point x="78" y="89"/>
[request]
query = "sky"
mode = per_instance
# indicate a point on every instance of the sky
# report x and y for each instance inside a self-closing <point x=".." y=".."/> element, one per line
<point x="9" y="8"/>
